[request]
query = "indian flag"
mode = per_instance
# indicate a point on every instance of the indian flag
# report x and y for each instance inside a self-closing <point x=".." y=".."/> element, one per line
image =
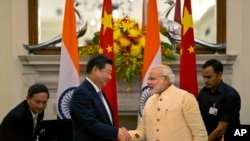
<point x="152" y="51"/>
<point x="69" y="71"/>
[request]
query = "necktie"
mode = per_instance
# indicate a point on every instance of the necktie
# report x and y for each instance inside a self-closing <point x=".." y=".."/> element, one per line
<point x="101" y="96"/>
<point x="105" y="105"/>
<point x="34" y="123"/>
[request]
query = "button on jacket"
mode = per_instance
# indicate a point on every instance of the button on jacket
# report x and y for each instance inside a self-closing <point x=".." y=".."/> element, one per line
<point x="173" y="115"/>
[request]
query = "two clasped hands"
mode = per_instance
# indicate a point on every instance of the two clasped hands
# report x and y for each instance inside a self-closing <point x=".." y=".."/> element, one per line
<point x="123" y="134"/>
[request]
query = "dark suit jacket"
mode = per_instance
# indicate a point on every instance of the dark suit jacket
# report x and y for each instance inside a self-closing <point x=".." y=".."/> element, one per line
<point x="89" y="117"/>
<point x="18" y="124"/>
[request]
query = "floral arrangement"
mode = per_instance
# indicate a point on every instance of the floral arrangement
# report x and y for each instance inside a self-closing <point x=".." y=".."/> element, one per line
<point x="129" y="42"/>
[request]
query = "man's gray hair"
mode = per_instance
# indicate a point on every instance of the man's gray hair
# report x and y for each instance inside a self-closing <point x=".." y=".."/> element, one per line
<point x="167" y="71"/>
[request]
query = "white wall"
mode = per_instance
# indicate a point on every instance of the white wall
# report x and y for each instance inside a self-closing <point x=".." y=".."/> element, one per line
<point x="238" y="32"/>
<point x="13" y="32"/>
<point x="5" y="56"/>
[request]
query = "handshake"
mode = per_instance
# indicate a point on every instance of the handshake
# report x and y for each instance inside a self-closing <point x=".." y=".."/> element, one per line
<point x="123" y="134"/>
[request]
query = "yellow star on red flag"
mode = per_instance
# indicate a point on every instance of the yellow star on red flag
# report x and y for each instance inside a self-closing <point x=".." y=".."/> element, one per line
<point x="188" y="71"/>
<point x="186" y="21"/>
<point x="109" y="49"/>
<point x="191" y="49"/>
<point x="100" y="50"/>
<point x="107" y="21"/>
<point x="106" y="47"/>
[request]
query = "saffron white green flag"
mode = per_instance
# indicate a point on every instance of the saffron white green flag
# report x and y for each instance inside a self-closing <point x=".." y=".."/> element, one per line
<point x="152" y="51"/>
<point x="69" y="77"/>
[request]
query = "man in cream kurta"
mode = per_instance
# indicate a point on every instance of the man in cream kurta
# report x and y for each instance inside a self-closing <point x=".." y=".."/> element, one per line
<point x="171" y="114"/>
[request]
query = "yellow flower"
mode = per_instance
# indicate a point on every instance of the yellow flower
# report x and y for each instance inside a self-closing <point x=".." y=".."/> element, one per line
<point x="127" y="24"/>
<point x="134" y="33"/>
<point x="117" y="34"/>
<point x="135" y="50"/>
<point x="142" y="41"/>
<point x="124" y="42"/>
<point x="129" y="43"/>
<point x="116" y="48"/>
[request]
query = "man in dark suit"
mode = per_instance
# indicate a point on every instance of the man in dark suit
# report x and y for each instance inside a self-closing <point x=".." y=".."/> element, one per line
<point x="91" y="115"/>
<point x="22" y="123"/>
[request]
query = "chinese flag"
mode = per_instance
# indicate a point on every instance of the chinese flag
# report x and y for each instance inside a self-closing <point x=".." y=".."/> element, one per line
<point x="188" y="72"/>
<point x="106" y="47"/>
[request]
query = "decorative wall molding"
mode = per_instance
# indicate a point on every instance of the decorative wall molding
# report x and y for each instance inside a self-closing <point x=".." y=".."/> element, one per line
<point x="45" y="69"/>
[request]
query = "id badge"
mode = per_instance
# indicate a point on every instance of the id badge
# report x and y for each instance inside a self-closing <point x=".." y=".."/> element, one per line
<point x="213" y="110"/>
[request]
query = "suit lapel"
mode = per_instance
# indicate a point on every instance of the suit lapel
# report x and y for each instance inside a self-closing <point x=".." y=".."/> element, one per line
<point x="99" y="101"/>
